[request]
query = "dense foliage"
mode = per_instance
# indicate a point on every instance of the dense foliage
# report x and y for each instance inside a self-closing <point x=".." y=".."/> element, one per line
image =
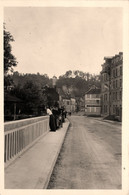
<point x="9" y="58"/>
<point x="77" y="82"/>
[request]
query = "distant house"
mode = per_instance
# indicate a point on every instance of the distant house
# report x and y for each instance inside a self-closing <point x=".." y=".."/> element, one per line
<point x="80" y="104"/>
<point x="73" y="104"/>
<point x="93" y="101"/>
<point x="67" y="104"/>
<point x="12" y="106"/>
<point x="66" y="100"/>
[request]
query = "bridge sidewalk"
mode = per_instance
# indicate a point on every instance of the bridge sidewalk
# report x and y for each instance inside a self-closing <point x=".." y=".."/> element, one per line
<point x="32" y="170"/>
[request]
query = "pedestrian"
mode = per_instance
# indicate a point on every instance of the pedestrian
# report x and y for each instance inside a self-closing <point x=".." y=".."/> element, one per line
<point x="65" y="113"/>
<point x="60" y="117"/>
<point x="51" y="120"/>
<point x="55" y="114"/>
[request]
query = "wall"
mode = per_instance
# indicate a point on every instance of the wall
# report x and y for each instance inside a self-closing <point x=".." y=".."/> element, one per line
<point x="20" y="135"/>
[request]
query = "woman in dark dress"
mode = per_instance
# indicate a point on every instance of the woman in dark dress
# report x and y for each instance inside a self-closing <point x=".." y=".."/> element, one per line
<point x="51" y="120"/>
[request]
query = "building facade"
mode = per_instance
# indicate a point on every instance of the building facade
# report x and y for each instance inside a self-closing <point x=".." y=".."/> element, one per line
<point x="105" y="87"/>
<point x="111" y="86"/>
<point x="93" y="101"/>
<point x="69" y="104"/>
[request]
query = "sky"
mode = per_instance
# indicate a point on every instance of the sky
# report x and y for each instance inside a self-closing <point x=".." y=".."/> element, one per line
<point x="53" y="40"/>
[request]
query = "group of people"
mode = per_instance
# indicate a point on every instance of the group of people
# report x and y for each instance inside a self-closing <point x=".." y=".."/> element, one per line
<point x="57" y="117"/>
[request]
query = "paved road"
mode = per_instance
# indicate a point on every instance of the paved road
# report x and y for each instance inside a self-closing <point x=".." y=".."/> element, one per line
<point x="90" y="157"/>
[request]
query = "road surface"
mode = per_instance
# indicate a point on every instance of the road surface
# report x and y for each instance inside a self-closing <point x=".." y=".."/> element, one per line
<point x="90" y="157"/>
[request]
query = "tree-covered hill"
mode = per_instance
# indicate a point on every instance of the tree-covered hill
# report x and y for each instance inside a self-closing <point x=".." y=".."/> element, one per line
<point x="75" y="83"/>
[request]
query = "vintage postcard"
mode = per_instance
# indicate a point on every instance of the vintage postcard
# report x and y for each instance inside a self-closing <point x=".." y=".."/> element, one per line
<point x="64" y="97"/>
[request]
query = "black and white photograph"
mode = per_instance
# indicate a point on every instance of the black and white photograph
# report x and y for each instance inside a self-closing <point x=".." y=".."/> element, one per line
<point x="64" y="104"/>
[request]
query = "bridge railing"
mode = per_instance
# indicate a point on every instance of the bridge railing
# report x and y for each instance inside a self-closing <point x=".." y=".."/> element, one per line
<point x="20" y="135"/>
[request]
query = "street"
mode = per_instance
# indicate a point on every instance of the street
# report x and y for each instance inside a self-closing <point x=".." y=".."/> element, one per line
<point x="90" y="157"/>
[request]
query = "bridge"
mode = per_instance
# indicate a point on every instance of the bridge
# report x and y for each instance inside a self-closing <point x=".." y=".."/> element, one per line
<point x="30" y="152"/>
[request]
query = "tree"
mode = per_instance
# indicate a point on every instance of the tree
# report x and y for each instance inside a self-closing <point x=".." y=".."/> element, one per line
<point x="51" y="95"/>
<point x="68" y="74"/>
<point x="9" y="58"/>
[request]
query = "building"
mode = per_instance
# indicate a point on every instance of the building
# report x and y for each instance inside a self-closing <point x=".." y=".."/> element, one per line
<point x="73" y="104"/>
<point x="105" y="87"/>
<point x="67" y="104"/>
<point x="80" y="104"/>
<point x="12" y="106"/>
<point x="93" y="101"/>
<point x="66" y="99"/>
<point x="111" y="87"/>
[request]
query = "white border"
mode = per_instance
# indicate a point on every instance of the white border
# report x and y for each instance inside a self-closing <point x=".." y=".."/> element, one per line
<point x="125" y="132"/>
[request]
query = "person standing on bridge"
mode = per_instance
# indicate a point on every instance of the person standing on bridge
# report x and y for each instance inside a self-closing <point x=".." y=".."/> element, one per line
<point x="51" y="120"/>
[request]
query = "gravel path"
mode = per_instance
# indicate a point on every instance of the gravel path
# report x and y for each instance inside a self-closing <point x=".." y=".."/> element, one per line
<point x="90" y="157"/>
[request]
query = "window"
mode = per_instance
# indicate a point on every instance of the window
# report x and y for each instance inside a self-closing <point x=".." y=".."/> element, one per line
<point x="120" y="95"/>
<point x="114" y="109"/>
<point x="92" y="109"/>
<point x="67" y="102"/>
<point x="116" y="95"/>
<point x="116" y="72"/>
<point x="120" y="70"/>
<point x="88" y="109"/>
<point x="102" y="98"/>
<point x="97" y="101"/>
<point x="113" y="84"/>
<point x="120" y="82"/>
<point x="93" y="95"/>
<point x="113" y="96"/>
<point x="106" y="108"/>
<point x="105" y="97"/>
<point x="88" y="95"/>
<point x="113" y="72"/>
<point x="116" y="84"/>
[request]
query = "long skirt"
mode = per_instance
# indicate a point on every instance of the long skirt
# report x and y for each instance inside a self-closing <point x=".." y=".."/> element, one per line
<point x="52" y="123"/>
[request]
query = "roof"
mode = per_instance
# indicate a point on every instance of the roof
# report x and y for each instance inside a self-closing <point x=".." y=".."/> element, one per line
<point x="11" y="98"/>
<point x="94" y="91"/>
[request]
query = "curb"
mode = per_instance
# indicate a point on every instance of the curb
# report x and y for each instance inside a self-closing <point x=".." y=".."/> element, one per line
<point x="54" y="161"/>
